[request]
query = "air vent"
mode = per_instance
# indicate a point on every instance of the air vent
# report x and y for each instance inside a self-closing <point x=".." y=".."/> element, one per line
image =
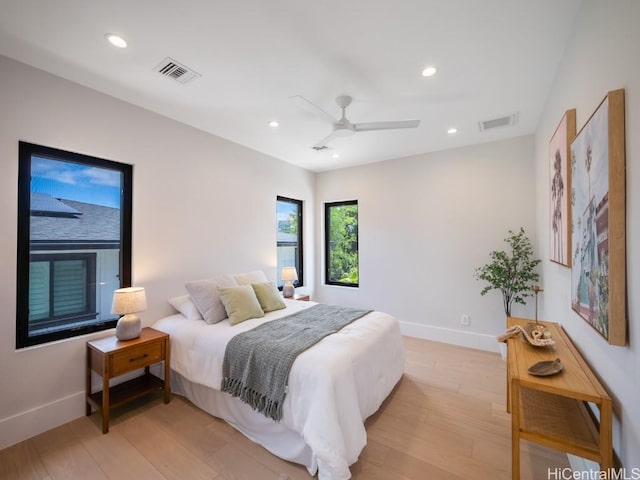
<point x="509" y="120"/>
<point x="177" y="71"/>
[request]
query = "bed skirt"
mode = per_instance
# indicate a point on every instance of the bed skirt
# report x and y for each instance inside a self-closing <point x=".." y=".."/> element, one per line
<point x="275" y="437"/>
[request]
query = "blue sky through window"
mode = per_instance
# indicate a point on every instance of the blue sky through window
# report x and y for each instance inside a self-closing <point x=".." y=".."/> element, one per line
<point x="285" y="209"/>
<point x="71" y="181"/>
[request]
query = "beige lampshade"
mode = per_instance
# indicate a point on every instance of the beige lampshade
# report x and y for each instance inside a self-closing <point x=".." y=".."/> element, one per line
<point x="129" y="300"/>
<point x="289" y="274"/>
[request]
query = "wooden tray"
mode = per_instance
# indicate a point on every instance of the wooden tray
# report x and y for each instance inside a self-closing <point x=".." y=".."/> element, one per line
<point x="546" y="368"/>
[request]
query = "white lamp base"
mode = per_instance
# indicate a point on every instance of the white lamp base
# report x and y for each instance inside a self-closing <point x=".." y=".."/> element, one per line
<point x="288" y="290"/>
<point x="128" y="327"/>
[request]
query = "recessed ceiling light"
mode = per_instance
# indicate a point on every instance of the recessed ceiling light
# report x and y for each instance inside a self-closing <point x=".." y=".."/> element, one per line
<point x="429" y="71"/>
<point x="116" y="40"/>
<point x="274" y="124"/>
<point x="335" y="155"/>
<point x="452" y="130"/>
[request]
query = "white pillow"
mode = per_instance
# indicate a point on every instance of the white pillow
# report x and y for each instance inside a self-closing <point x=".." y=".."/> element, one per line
<point x="205" y="296"/>
<point x="256" y="276"/>
<point x="186" y="307"/>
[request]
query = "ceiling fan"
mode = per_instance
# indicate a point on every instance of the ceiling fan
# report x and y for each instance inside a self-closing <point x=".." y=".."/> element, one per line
<point x="343" y="127"/>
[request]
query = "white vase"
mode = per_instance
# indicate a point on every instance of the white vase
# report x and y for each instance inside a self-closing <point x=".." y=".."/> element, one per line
<point x="128" y="327"/>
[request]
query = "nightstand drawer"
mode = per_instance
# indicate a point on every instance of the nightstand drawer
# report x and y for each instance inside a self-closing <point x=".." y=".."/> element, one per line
<point x="135" y="358"/>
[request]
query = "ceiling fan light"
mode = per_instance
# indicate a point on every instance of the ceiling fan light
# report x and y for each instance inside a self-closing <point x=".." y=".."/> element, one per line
<point x="343" y="132"/>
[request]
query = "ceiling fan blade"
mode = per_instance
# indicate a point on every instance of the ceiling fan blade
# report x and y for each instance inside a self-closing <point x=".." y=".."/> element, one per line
<point x="363" y="127"/>
<point x="322" y="144"/>
<point x="312" y="107"/>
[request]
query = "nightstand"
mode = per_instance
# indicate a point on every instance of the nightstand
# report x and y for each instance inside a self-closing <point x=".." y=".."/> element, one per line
<point x="110" y="358"/>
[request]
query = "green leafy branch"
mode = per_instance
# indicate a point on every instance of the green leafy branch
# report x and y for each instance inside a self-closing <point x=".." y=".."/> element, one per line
<point x="512" y="273"/>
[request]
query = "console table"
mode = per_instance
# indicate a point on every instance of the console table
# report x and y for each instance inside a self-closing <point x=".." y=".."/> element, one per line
<point x="551" y="410"/>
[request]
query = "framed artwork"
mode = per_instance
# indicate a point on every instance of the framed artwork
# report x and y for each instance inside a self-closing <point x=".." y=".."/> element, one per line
<point x="598" y="249"/>
<point x="560" y="188"/>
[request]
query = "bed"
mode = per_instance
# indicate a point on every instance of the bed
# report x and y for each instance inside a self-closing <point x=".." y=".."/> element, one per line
<point x="333" y="386"/>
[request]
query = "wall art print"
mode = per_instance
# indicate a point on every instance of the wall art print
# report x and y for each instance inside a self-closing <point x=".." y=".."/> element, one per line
<point x="560" y="188"/>
<point x="598" y="249"/>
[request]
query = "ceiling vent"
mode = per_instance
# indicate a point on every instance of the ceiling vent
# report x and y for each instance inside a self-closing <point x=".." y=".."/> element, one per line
<point x="177" y="71"/>
<point x="509" y="120"/>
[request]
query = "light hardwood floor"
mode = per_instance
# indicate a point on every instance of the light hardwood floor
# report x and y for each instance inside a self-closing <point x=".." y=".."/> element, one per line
<point x="445" y="420"/>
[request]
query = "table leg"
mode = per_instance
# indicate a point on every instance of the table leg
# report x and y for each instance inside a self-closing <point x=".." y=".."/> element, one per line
<point x="88" y="384"/>
<point x="606" y="447"/>
<point x="167" y="371"/>
<point x="515" y="430"/>
<point x="105" y="403"/>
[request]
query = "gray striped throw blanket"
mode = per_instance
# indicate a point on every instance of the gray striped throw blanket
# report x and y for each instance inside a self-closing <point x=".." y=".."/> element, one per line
<point x="257" y="363"/>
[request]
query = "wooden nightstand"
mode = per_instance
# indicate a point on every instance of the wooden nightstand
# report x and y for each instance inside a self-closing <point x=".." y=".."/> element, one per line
<point x="110" y="358"/>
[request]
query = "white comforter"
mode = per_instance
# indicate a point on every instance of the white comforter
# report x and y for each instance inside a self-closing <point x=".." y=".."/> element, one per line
<point x="333" y="386"/>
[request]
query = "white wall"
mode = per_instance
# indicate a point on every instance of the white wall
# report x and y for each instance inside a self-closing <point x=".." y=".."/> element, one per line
<point x="201" y="206"/>
<point x="602" y="55"/>
<point x="425" y="224"/>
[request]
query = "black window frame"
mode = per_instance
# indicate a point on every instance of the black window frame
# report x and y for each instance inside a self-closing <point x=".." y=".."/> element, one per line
<point x="327" y="246"/>
<point x="24" y="246"/>
<point x="300" y="267"/>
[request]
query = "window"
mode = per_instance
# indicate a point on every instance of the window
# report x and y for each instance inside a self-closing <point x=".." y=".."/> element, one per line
<point x="289" y="242"/>
<point x="341" y="243"/>
<point x="74" y="242"/>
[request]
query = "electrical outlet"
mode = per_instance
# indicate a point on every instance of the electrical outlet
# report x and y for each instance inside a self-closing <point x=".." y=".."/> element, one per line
<point x="465" y="320"/>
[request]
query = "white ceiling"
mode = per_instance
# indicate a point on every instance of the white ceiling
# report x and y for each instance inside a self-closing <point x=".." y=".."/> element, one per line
<point x="495" y="57"/>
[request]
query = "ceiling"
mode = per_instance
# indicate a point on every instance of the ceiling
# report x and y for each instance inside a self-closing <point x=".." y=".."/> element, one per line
<point x="494" y="58"/>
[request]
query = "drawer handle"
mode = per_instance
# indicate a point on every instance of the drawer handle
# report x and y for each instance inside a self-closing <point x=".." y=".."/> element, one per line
<point x="135" y="359"/>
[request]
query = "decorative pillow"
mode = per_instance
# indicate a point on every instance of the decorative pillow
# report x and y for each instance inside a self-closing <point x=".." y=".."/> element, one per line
<point x="268" y="296"/>
<point x="186" y="307"/>
<point x="206" y="298"/>
<point x="257" y="276"/>
<point x="240" y="303"/>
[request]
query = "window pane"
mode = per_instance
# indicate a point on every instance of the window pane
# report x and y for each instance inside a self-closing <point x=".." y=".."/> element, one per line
<point x="74" y="242"/>
<point x="69" y="287"/>
<point x="38" y="290"/>
<point x="341" y="242"/>
<point x="289" y="241"/>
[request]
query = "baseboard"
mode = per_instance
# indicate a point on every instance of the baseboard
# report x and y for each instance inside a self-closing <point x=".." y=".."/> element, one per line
<point x="37" y="420"/>
<point x="24" y="425"/>
<point x="462" y="338"/>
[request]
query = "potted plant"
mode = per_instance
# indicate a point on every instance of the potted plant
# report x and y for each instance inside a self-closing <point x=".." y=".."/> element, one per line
<point x="513" y="273"/>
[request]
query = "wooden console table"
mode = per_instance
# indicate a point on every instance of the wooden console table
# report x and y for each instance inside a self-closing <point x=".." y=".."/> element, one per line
<point x="551" y="410"/>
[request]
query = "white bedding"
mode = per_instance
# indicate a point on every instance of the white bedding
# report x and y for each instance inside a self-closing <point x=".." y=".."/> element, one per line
<point x="325" y="406"/>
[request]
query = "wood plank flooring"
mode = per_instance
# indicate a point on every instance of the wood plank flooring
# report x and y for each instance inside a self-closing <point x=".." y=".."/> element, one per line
<point x="446" y="419"/>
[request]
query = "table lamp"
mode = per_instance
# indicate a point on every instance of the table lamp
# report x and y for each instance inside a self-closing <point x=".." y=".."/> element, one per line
<point x="127" y="302"/>
<point x="288" y="274"/>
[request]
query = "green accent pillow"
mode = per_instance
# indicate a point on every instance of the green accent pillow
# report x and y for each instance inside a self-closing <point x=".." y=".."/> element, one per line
<point x="268" y="296"/>
<point x="240" y="303"/>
